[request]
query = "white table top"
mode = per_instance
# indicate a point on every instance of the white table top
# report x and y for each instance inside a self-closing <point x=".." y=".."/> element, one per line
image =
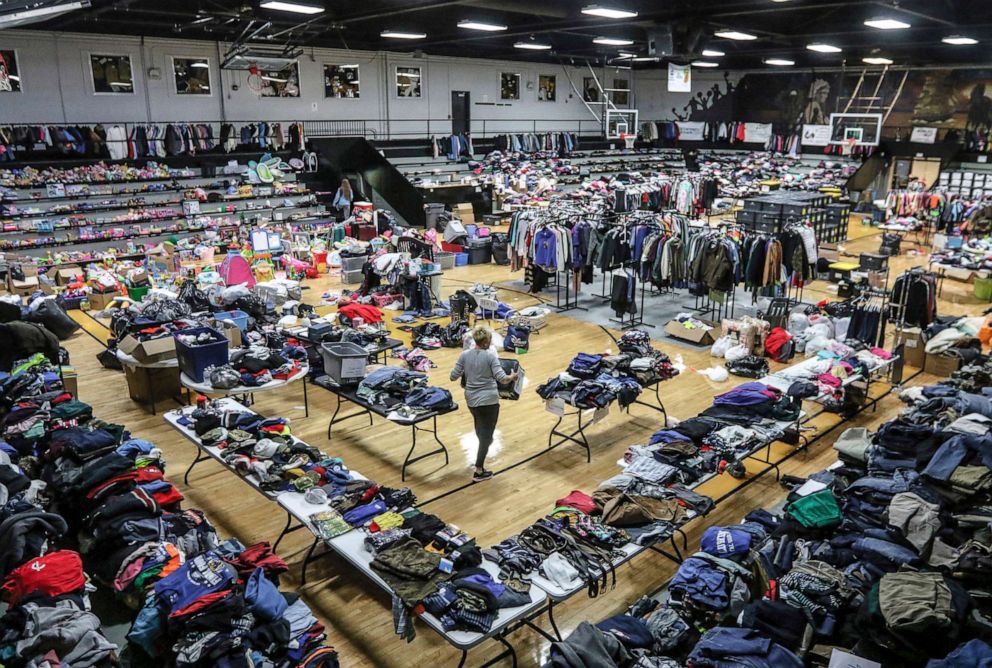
<point x="206" y="388"/>
<point x="130" y="360"/>
<point x="351" y="546"/>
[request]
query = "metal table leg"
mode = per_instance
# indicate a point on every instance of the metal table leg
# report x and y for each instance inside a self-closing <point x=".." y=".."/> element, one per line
<point x="410" y="459"/>
<point x="287" y="530"/>
<point x="584" y="442"/>
<point x="306" y="399"/>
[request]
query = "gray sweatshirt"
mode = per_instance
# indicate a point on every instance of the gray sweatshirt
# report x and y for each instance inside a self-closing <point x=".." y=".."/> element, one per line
<point x="482" y="372"/>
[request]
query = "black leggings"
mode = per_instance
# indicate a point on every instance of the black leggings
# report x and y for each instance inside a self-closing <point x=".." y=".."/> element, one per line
<point x="485" y="424"/>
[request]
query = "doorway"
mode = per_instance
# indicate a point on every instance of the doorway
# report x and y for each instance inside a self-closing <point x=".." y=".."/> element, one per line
<point x="461" y="118"/>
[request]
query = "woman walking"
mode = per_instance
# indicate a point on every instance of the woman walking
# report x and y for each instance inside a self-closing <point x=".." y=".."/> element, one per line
<point x="344" y="198"/>
<point x="480" y="371"/>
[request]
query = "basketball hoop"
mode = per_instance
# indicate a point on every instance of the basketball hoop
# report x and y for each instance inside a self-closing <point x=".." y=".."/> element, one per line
<point x="255" y="83"/>
<point x="628" y="140"/>
<point x="848" y="145"/>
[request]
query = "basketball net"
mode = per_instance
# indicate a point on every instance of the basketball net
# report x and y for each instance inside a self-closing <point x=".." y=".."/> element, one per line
<point x="255" y="82"/>
<point x="848" y="146"/>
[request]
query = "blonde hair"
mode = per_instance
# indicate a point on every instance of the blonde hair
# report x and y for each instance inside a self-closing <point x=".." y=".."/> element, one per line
<point x="482" y="336"/>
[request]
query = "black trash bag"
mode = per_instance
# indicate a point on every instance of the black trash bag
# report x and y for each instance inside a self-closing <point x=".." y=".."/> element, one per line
<point x="193" y="297"/>
<point x="108" y="358"/>
<point x="54" y="319"/>
<point x="167" y="311"/>
<point x="9" y="312"/>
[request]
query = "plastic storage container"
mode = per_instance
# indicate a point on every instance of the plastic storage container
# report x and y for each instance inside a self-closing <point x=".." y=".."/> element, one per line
<point x="433" y="211"/>
<point x="352" y="277"/>
<point x="344" y="362"/>
<point x="195" y="359"/>
<point x="238" y="317"/>
<point x="479" y="252"/>
<point x="461" y="259"/>
<point x="446" y="260"/>
<point x="138" y="294"/>
<point x="353" y="263"/>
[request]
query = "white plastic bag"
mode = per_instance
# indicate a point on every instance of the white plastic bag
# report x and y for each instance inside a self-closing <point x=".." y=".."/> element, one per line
<point x="735" y="353"/>
<point x="717" y="374"/>
<point x="720" y="346"/>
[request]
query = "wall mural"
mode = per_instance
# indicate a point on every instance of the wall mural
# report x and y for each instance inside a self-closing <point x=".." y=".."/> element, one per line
<point x="947" y="99"/>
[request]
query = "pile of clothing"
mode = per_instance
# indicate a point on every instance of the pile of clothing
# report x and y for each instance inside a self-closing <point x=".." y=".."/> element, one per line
<point x="740" y="420"/>
<point x="569" y="548"/>
<point x="597" y="380"/>
<point x="83" y="500"/>
<point x="257" y="365"/>
<point x="405" y="393"/>
<point x="885" y="554"/>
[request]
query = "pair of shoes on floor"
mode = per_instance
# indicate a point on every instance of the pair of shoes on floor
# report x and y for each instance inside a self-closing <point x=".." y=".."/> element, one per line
<point x="484" y="475"/>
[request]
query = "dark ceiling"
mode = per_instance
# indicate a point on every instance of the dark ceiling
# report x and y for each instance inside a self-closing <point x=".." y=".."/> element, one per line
<point x="783" y="28"/>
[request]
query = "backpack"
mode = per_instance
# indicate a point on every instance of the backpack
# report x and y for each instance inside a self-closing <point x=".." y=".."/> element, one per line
<point x="517" y="338"/>
<point x="452" y="335"/>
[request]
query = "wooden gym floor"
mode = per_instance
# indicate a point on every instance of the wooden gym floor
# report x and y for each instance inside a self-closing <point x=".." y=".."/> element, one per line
<point x="356" y="612"/>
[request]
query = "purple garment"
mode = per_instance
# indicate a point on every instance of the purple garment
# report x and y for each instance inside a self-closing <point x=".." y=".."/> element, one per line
<point x="748" y="394"/>
<point x="496" y="588"/>
<point x="362" y="514"/>
<point x="545" y="248"/>
<point x="666" y="436"/>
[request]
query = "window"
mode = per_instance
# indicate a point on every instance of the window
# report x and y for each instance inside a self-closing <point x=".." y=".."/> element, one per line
<point x="283" y="82"/>
<point x="547" y="88"/>
<point x="509" y="86"/>
<point x="341" y="81"/>
<point x="112" y="75"/>
<point x="590" y="91"/>
<point x="10" y="76"/>
<point x="408" y="83"/>
<point x="621" y="92"/>
<point x="192" y="76"/>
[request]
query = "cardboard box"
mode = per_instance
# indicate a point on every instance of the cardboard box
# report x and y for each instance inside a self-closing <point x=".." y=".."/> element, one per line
<point x="70" y="381"/>
<point x="144" y="384"/>
<point x="942" y="365"/>
<point x="101" y="300"/>
<point x="830" y="252"/>
<point x="152" y="350"/>
<point x="66" y="275"/>
<point x="29" y="269"/>
<point x="230" y="330"/>
<point x="465" y="212"/>
<point x="698" y="336"/>
<point x="25" y="287"/>
<point x="912" y="340"/>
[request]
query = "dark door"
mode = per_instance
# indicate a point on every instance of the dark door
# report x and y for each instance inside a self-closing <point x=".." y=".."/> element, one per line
<point x="460" y="116"/>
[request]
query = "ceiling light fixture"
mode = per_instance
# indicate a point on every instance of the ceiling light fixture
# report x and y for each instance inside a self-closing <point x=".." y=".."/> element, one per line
<point x="882" y="23"/>
<point x="705" y="63"/>
<point x="533" y="46"/>
<point x="200" y="65"/>
<point x="36" y="14"/>
<point x="735" y="35"/>
<point x="876" y="60"/>
<point x="399" y="34"/>
<point x="481" y="25"/>
<point x="780" y="62"/>
<point x="824" y="48"/>
<point x="613" y="41"/>
<point x="959" y="40"/>
<point x="295" y="7"/>
<point x="608" y="12"/>
<point x="713" y="53"/>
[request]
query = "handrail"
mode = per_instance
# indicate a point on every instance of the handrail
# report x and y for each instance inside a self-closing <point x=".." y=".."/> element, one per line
<point x="373" y="129"/>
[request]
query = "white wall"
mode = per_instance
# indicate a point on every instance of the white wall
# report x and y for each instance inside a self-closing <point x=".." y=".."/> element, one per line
<point x="57" y="88"/>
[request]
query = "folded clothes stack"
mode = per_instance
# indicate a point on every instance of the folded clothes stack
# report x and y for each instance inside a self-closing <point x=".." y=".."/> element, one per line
<point x="85" y="501"/>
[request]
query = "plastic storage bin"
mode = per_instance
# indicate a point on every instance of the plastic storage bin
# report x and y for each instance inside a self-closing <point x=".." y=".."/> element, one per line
<point x="344" y="362"/>
<point x="461" y="259"/>
<point x="480" y="253"/>
<point x="238" y="317"/>
<point x="352" y="277"/>
<point x="433" y="211"/>
<point x="194" y="360"/>
<point x="353" y="263"/>
<point x="446" y="260"/>
<point x="452" y="248"/>
<point x="138" y="294"/>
